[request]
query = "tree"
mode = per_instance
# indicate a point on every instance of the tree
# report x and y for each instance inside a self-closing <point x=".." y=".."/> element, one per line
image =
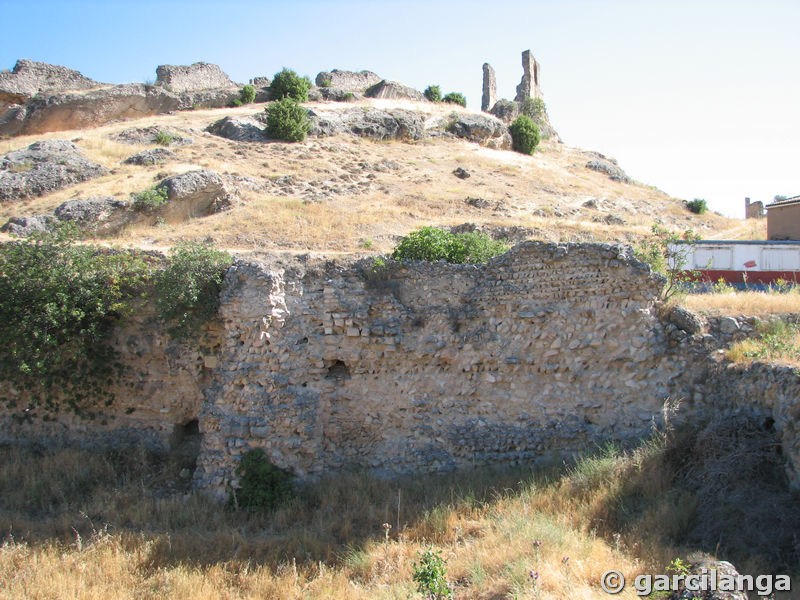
<point x="287" y="120"/>
<point x="524" y="134"/>
<point x="288" y="84"/>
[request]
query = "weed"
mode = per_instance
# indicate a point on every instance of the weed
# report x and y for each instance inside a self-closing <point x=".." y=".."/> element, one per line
<point x="148" y="200"/>
<point x="164" y="138"/>
<point x="430" y="575"/>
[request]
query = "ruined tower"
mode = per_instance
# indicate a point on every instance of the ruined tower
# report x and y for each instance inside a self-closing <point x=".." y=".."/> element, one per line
<point x="529" y="86"/>
<point x="489" y="88"/>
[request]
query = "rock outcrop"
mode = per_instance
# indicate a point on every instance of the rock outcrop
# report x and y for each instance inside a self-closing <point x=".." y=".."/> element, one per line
<point x="193" y="194"/>
<point x="482" y="129"/>
<point x="152" y="156"/>
<point x="192" y="78"/>
<point x="29" y="78"/>
<point x="150" y="135"/>
<point x="608" y="166"/>
<point x="102" y="214"/>
<point x="376" y="124"/>
<point x="240" y="129"/>
<point x="392" y="90"/>
<point x="529" y="86"/>
<point x="25" y="226"/>
<point x="347" y="81"/>
<point x="489" y="96"/>
<point x="44" y="167"/>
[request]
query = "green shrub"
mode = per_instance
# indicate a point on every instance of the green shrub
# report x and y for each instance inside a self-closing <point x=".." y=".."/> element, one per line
<point x="455" y="98"/>
<point x="433" y="93"/>
<point x="533" y="108"/>
<point x="698" y="206"/>
<point x="262" y="485"/>
<point x="433" y="244"/>
<point x="164" y="138"/>
<point x="187" y="290"/>
<point x="236" y="102"/>
<point x="287" y="120"/>
<point x="430" y="575"/>
<point x="151" y="199"/>
<point x="58" y="302"/>
<point x="248" y="94"/>
<point x="288" y="84"/>
<point x="348" y="97"/>
<point x="524" y="134"/>
<point x="326" y="83"/>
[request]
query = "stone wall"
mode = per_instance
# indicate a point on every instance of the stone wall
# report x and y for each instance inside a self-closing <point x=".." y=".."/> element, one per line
<point x="192" y="78"/>
<point x="533" y="357"/>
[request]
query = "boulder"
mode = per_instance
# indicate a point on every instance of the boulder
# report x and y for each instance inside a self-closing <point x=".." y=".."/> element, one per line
<point x="338" y="94"/>
<point x="505" y="110"/>
<point x="482" y="129"/>
<point x="376" y="124"/>
<point x="348" y="81"/>
<point x="24" y="226"/>
<point x="240" y="129"/>
<point x="152" y="156"/>
<point x="193" y="194"/>
<point x="392" y="90"/>
<point x="213" y="98"/>
<point x="104" y="215"/>
<point x="608" y="166"/>
<point x="685" y="320"/>
<point x="44" y="167"/>
<point x="704" y="566"/>
<point x="139" y="136"/>
<point x="192" y="78"/>
<point x="29" y="77"/>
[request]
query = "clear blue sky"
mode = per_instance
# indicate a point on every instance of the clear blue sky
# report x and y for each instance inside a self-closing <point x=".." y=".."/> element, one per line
<point x="697" y="98"/>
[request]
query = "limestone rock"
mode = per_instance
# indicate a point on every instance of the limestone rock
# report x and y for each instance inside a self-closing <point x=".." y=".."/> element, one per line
<point x="489" y="97"/>
<point x="373" y="123"/>
<point x="685" y="320"/>
<point x="393" y="90"/>
<point x="260" y="82"/>
<point x="100" y="214"/>
<point x="194" y="194"/>
<point x="192" y="78"/>
<point x="212" y="98"/>
<point x="44" y="167"/>
<point x="338" y="94"/>
<point x="29" y="77"/>
<point x="240" y="129"/>
<point x="24" y="226"/>
<point x="703" y="565"/>
<point x="152" y="156"/>
<point x="348" y="81"/>
<point x="461" y="173"/>
<point x="483" y="129"/>
<point x="149" y="135"/>
<point x="505" y="110"/>
<point x="608" y="166"/>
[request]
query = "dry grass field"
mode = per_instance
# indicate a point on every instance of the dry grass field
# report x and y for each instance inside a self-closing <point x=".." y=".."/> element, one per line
<point x="351" y="194"/>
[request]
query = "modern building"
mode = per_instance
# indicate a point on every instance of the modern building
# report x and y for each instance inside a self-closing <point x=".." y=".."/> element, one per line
<point x="783" y="219"/>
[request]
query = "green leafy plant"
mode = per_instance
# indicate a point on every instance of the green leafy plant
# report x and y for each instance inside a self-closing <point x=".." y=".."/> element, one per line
<point x="236" y="102"/>
<point x="348" y="97"/>
<point x="533" y="108"/>
<point x="287" y="120"/>
<point x="455" y="98"/>
<point x="524" y="134"/>
<point x="698" y="206"/>
<point x="150" y="199"/>
<point x="667" y="254"/>
<point x="248" y="94"/>
<point x="262" y="485"/>
<point x="187" y="290"/>
<point x="430" y="575"/>
<point x="326" y="83"/>
<point x="434" y="244"/>
<point x="288" y="84"/>
<point x="164" y="138"/>
<point x="433" y="93"/>
<point x="58" y="302"/>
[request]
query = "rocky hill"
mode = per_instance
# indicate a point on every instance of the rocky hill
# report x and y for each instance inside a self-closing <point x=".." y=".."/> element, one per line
<point x="380" y="161"/>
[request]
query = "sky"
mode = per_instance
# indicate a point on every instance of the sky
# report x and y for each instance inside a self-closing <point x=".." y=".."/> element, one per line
<point x="699" y="99"/>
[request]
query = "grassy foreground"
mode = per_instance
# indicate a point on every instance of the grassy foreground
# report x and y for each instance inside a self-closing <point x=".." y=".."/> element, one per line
<point x="82" y="525"/>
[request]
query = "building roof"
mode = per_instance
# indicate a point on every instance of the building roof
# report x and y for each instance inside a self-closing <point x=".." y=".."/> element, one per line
<point x="785" y="202"/>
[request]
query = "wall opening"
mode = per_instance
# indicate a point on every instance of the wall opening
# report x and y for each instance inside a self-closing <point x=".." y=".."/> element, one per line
<point x="338" y="370"/>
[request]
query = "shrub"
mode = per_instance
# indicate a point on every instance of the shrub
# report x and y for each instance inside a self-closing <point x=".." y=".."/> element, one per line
<point x="666" y="256"/>
<point x="287" y="120"/>
<point x="698" y="206"/>
<point x="58" y="302"/>
<point x="455" y="98"/>
<point x="326" y="82"/>
<point x="262" y="485"/>
<point x="533" y="108"/>
<point x="163" y="138"/>
<point x="248" y="94"/>
<point x="430" y="575"/>
<point x="236" y="102"/>
<point x="187" y="290"/>
<point x="433" y="244"/>
<point x="288" y="84"/>
<point x="524" y="134"/>
<point x="433" y="93"/>
<point x="348" y="97"/>
<point x="151" y="199"/>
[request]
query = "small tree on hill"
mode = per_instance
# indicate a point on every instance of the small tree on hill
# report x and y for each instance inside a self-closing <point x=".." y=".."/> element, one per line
<point x="455" y="98"/>
<point x="433" y="93"/>
<point x="288" y="84"/>
<point x="524" y="134"/>
<point x="287" y="120"/>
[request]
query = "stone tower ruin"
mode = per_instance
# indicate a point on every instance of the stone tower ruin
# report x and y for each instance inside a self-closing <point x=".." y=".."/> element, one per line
<point x="528" y="87"/>
<point x="489" y="88"/>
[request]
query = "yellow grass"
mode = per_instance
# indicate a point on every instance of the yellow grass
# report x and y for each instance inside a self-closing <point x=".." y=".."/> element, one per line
<point x="761" y="304"/>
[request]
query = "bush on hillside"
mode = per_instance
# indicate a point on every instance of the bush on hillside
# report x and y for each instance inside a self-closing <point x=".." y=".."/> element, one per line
<point x="433" y="93"/>
<point x="287" y="120"/>
<point x="533" y="108"/>
<point x="698" y="206"/>
<point x="248" y="94"/>
<point x="524" y="134"/>
<point x="288" y="84"/>
<point x="455" y="98"/>
<point x="262" y="485"/>
<point x="433" y="244"/>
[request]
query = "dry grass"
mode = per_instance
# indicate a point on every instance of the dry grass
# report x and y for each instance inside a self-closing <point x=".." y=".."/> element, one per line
<point x="734" y="303"/>
<point x="778" y="342"/>
<point x="82" y="525"/>
<point x="545" y="192"/>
